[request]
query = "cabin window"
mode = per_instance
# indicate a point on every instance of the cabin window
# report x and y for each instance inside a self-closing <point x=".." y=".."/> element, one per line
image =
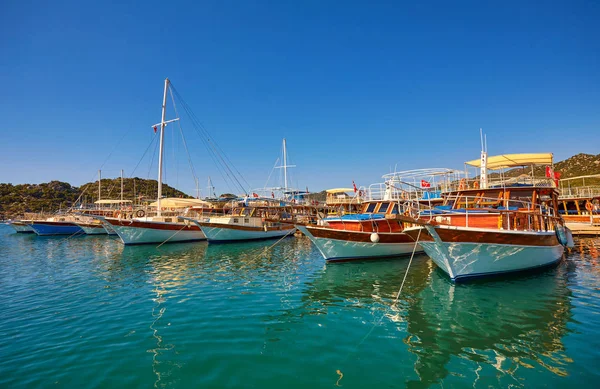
<point x="394" y="210"/>
<point x="236" y="220"/>
<point x="370" y="208"/>
<point x="246" y="220"/>
<point x="168" y="220"/>
<point x="383" y="207"/>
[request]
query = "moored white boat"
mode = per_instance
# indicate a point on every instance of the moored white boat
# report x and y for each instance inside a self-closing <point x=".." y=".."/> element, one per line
<point x="154" y="230"/>
<point x="489" y="228"/>
<point x="245" y="223"/>
<point x="374" y="233"/>
<point x="339" y="245"/>
<point x="21" y="226"/>
<point x="94" y="227"/>
<point x="465" y="253"/>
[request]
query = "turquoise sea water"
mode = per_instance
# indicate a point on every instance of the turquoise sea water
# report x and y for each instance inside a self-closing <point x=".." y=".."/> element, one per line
<point x="89" y="312"/>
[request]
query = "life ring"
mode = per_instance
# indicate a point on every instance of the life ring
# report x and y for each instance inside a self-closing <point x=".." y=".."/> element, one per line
<point x="140" y="213"/>
<point x="589" y="206"/>
<point x="463" y="184"/>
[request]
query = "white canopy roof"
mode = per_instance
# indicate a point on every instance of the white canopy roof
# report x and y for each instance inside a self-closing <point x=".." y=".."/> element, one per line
<point x="340" y="190"/>
<point x="111" y="201"/>
<point x="514" y="160"/>
<point x="176" y="202"/>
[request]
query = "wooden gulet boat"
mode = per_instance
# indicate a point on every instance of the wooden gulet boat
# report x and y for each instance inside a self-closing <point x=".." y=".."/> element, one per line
<point x="139" y="228"/>
<point x="373" y="233"/>
<point x="246" y="223"/>
<point x="580" y="206"/>
<point x="487" y="228"/>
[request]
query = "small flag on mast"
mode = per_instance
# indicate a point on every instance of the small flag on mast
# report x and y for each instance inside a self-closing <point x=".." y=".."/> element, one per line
<point x="155" y="129"/>
<point x="425" y="184"/>
<point x="354" y="186"/>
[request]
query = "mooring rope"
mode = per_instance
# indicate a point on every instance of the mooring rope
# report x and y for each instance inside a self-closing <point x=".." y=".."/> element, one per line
<point x="169" y="238"/>
<point x="339" y="372"/>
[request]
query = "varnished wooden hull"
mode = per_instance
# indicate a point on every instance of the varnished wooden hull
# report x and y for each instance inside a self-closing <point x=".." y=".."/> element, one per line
<point x="465" y="253"/>
<point x="345" y="245"/>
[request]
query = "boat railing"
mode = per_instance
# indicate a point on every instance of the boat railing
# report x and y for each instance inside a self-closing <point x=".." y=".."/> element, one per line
<point x="579" y="192"/>
<point x="525" y="216"/>
<point x="396" y="191"/>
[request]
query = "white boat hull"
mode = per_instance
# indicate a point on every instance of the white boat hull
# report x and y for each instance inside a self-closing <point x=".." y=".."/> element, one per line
<point x="93" y="230"/>
<point x="23" y="228"/>
<point x="343" y="250"/>
<point x="469" y="259"/>
<point x="156" y="232"/>
<point x="225" y="234"/>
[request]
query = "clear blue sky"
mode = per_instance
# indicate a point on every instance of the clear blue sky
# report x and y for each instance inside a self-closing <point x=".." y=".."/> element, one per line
<point x="355" y="87"/>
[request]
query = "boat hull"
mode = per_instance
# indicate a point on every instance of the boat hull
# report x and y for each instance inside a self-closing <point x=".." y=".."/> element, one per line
<point x="341" y="245"/>
<point x="223" y="233"/>
<point x="467" y="253"/>
<point x="134" y="232"/>
<point x="22" y="227"/>
<point x="49" y="228"/>
<point x="93" y="229"/>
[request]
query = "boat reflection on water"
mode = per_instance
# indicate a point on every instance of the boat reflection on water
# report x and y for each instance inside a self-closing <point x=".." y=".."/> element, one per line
<point x="490" y="333"/>
<point x="590" y="247"/>
<point x="500" y="327"/>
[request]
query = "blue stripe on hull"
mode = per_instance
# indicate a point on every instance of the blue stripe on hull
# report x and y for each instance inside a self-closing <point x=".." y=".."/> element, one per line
<point x="48" y="229"/>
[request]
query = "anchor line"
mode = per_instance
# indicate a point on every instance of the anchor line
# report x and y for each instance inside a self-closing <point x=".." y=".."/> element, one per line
<point x="169" y="238"/>
<point x="387" y="309"/>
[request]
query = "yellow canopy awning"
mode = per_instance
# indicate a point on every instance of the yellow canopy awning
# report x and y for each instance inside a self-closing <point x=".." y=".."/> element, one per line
<point x="107" y="201"/>
<point x="176" y="202"/>
<point x="340" y="190"/>
<point x="514" y="160"/>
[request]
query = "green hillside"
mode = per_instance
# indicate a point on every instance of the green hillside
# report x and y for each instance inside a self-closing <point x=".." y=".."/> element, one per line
<point x="56" y="195"/>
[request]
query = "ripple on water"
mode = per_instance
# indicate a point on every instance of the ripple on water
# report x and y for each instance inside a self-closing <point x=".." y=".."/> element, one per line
<point x="88" y="312"/>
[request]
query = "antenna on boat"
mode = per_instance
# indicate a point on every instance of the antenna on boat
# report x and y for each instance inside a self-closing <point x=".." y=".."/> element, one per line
<point x="285" y="166"/>
<point x="211" y="188"/>
<point x="483" y="173"/>
<point x="99" y="183"/>
<point x="162" y="124"/>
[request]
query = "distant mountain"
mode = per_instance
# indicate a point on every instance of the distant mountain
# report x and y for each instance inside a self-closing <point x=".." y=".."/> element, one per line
<point x="579" y="165"/>
<point x="55" y="195"/>
<point x="575" y="166"/>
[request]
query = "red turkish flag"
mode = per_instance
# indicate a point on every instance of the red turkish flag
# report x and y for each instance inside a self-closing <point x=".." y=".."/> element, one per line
<point x="425" y="184"/>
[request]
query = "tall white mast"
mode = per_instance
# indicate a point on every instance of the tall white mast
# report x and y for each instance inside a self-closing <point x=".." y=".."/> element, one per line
<point x="160" y="149"/>
<point x="285" y="166"/>
<point x="483" y="173"/>
<point x="99" y="183"/>
<point x="121" y="185"/>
